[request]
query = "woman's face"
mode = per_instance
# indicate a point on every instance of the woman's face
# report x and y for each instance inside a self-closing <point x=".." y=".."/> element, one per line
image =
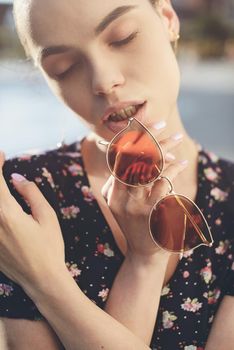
<point x="101" y="53"/>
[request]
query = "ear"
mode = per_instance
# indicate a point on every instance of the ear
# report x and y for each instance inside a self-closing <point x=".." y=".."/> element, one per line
<point x="169" y="18"/>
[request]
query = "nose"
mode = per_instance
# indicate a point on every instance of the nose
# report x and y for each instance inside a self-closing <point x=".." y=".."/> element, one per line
<point x="106" y="78"/>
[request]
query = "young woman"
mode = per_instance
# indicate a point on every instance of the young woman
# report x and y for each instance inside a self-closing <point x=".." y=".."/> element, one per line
<point x="109" y="61"/>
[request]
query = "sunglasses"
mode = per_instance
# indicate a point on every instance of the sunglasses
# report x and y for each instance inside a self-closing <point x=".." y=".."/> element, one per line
<point x="135" y="158"/>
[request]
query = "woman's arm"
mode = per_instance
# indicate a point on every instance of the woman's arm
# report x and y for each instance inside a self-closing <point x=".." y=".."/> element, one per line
<point x="222" y="332"/>
<point x="79" y="323"/>
<point x="135" y="295"/>
<point x="19" y="334"/>
<point x="32" y="254"/>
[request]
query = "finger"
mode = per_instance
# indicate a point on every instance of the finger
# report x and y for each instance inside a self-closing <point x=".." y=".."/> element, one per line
<point x="175" y="169"/>
<point x="4" y="190"/>
<point x="117" y="192"/>
<point x="105" y="189"/>
<point x="113" y="189"/>
<point x="129" y="174"/>
<point x="171" y="142"/>
<point x="33" y="196"/>
<point x="169" y="157"/>
<point x="157" y="128"/>
<point x="162" y="187"/>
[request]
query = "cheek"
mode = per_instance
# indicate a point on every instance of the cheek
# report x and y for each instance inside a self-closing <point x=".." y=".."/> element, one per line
<point x="168" y="75"/>
<point x="161" y="77"/>
<point x="73" y="96"/>
<point x="161" y="72"/>
<point x="166" y="88"/>
<point x="155" y="65"/>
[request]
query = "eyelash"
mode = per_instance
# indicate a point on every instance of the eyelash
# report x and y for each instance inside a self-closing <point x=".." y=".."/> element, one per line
<point x="61" y="76"/>
<point x="119" y="43"/>
<point x="125" y="41"/>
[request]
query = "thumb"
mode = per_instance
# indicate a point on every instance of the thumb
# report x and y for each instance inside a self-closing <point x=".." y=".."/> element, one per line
<point x="106" y="188"/>
<point x="30" y="192"/>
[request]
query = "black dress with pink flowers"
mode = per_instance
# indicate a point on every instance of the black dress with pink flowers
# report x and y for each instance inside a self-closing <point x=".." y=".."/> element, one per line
<point x="203" y="277"/>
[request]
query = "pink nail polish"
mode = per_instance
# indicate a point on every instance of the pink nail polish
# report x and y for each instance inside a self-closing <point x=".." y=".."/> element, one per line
<point x="160" y="125"/>
<point x="18" y="177"/>
<point x="177" y="137"/>
<point x="170" y="156"/>
<point x="184" y="162"/>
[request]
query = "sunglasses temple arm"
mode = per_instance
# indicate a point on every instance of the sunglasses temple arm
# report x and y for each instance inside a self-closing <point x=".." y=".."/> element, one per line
<point x="184" y="233"/>
<point x="116" y="162"/>
<point x="192" y="220"/>
<point x="157" y="168"/>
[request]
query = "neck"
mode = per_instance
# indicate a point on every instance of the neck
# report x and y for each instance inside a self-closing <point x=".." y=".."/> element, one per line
<point x="187" y="149"/>
<point x="186" y="182"/>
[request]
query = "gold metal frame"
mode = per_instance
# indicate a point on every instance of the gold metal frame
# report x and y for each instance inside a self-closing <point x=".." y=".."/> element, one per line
<point x="108" y="144"/>
<point x="199" y="232"/>
<point x="170" y="193"/>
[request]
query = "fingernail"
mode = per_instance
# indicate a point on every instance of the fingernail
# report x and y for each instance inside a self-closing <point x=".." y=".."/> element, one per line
<point x="160" y="125"/>
<point x="170" y="156"/>
<point x="177" y="137"/>
<point x="18" y="177"/>
<point x="184" y="162"/>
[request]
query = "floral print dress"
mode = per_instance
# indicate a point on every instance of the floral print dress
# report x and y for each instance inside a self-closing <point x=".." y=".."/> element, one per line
<point x="203" y="277"/>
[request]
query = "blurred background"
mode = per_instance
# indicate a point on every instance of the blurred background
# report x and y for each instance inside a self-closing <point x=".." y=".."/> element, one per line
<point x="31" y="118"/>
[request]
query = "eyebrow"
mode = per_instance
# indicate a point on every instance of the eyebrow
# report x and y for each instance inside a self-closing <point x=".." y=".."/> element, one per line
<point x="52" y="50"/>
<point x="106" y="21"/>
<point x="112" y="16"/>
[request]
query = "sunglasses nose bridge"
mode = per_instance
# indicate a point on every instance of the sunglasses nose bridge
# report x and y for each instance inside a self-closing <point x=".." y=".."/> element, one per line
<point x="171" y="188"/>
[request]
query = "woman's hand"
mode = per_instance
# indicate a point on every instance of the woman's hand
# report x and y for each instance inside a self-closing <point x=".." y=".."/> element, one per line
<point x="31" y="246"/>
<point x="32" y="254"/>
<point x="131" y="206"/>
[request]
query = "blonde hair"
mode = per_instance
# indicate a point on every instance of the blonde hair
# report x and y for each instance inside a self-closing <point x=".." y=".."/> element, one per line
<point x="20" y="8"/>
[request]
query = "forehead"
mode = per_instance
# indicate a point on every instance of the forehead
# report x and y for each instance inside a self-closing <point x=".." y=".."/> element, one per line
<point x="55" y="20"/>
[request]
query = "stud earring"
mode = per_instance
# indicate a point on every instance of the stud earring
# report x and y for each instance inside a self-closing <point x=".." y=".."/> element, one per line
<point x="160" y="3"/>
<point x="175" y="42"/>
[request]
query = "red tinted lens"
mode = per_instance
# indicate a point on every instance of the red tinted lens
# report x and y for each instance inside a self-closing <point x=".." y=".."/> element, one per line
<point x="178" y="225"/>
<point x="134" y="157"/>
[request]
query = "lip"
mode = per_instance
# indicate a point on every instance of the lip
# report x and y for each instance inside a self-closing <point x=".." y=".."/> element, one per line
<point x="118" y="126"/>
<point x="118" y="106"/>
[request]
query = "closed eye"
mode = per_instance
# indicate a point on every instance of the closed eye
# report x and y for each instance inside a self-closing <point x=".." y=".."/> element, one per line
<point x="125" y="41"/>
<point x="64" y="74"/>
<point x="119" y="43"/>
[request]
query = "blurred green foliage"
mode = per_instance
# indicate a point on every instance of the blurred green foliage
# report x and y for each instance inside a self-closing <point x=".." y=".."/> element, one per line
<point x="211" y="27"/>
<point x="209" y="34"/>
<point x="9" y="44"/>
